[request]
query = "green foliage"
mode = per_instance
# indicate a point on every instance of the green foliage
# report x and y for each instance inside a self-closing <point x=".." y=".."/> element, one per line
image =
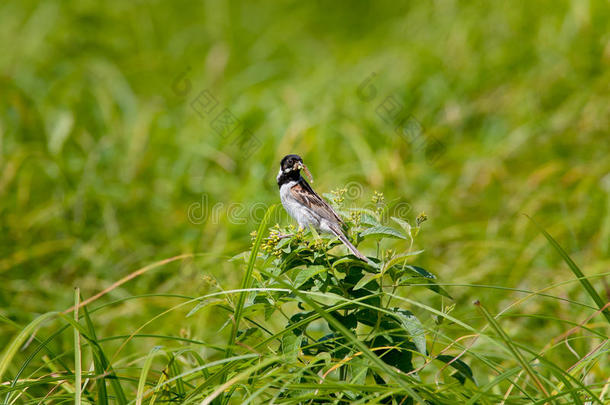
<point x="107" y="170"/>
<point x="360" y="329"/>
<point x="310" y="325"/>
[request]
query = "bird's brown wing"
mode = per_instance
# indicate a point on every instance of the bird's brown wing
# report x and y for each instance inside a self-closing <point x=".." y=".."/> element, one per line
<point x="303" y="193"/>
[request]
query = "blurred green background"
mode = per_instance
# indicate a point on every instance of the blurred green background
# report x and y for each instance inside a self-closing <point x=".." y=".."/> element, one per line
<point x="108" y="164"/>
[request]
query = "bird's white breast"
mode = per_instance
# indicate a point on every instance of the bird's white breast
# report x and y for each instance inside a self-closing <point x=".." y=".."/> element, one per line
<point x="295" y="209"/>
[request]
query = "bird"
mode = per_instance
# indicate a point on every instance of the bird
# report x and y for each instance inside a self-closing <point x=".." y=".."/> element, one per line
<point x="305" y="206"/>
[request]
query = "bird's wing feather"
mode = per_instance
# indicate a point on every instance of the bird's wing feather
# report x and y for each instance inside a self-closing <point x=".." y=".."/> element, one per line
<point x="304" y="194"/>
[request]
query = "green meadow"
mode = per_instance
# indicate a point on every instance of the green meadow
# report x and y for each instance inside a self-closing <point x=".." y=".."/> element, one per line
<point x="465" y="143"/>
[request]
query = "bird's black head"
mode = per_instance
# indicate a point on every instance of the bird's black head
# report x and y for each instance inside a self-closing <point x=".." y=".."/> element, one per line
<point x="290" y="170"/>
<point x="291" y="162"/>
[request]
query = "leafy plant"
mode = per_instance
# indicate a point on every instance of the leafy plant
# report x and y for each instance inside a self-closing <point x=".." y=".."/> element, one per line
<point x="342" y="322"/>
<point x="308" y="325"/>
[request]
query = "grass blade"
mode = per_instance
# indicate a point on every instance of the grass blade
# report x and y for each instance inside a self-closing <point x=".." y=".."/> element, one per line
<point x="241" y="376"/>
<point x="102" y="393"/>
<point x="103" y="367"/>
<point x="511" y="346"/>
<point x="247" y="280"/>
<point x="13" y="347"/>
<point x="245" y="284"/>
<point x="144" y="373"/>
<point x="576" y="270"/>
<point x="77" y="352"/>
<point x="174" y="372"/>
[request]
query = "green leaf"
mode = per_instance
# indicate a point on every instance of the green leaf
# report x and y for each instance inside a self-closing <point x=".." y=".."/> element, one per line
<point x="269" y="310"/>
<point x="367" y="316"/>
<point x="242" y="335"/>
<point x="359" y="367"/>
<point x="299" y="317"/>
<point x="367" y="216"/>
<point x="400" y="259"/>
<point x="291" y="345"/>
<point x="314" y="233"/>
<point x="463" y="370"/>
<point x="204" y="303"/>
<point x="383" y="231"/>
<point x="296" y="258"/>
<point x="365" y="280"/>
<point x="415" y="328"/>
<point x="399" y="357"/>
<point x="307" y="273"/>
<point x="369" y="219"/>
<point x="260" y="299"/>
<point x="349" y="321"/>
<point x="344" y="263"/>
<point x="253" y="308"/>
<point x="285" y="245"/>
<point x="422" y="272"/>
<point x="403" y="224"/>
<point x="421" y="276"/>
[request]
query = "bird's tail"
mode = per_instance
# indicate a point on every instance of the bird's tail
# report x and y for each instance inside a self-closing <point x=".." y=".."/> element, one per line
<point x="349" y="245"/>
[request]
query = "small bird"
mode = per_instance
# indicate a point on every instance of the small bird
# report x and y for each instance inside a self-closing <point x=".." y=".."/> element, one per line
<point x="307" y="207"/>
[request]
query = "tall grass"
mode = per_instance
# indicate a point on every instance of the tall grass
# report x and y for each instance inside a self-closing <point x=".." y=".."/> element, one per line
<point x="112" y="181"/>
<point x="263" y="363"/>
